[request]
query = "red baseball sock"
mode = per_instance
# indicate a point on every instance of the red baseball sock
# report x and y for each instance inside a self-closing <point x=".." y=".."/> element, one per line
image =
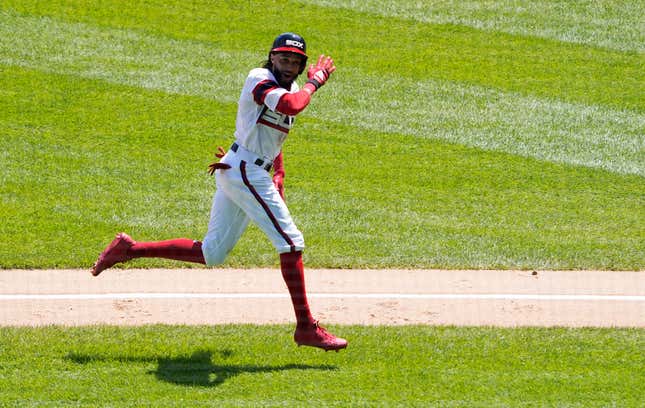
<point x="181" y="249"/>
<point x="293" y="273"/>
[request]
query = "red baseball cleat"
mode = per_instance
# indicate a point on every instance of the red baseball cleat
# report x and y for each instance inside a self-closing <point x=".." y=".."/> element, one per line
<point x="115" y="252"/>
<point x="316" y="336"/>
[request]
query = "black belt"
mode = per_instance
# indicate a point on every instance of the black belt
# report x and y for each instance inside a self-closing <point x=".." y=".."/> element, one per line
<point x="266" y="165"/>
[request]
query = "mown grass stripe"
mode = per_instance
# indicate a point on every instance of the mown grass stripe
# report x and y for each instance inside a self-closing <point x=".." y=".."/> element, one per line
<point x="126" y="57"/>
<point x="547" y="129"/>
<point x="376" y="45"/>
<point x="551" y="130"/>
<point x="614" y="24"/>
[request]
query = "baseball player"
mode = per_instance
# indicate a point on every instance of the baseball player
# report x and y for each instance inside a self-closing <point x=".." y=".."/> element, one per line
<point x="268" y="104"/>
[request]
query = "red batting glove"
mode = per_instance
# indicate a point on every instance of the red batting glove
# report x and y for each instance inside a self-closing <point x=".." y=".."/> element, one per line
<point x="278" y="174"/>
<point x="319" y="74"/>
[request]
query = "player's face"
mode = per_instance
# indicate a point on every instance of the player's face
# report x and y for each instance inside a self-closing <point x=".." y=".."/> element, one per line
<point x="286" y="67"/>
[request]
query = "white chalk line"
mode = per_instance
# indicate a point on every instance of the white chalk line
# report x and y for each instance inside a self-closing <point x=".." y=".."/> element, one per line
<point x="396" y="296"/>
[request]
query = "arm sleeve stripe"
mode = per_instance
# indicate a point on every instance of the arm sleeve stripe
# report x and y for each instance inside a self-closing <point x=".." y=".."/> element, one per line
<point x="262" y="89"/>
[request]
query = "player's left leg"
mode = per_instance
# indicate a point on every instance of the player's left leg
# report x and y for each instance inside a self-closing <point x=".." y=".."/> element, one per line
<point x="262" y="203"/>
<point x="308" y="331"/>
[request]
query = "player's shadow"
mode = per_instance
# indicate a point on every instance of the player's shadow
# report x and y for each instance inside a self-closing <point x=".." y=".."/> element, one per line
<point x="196" y="369"/>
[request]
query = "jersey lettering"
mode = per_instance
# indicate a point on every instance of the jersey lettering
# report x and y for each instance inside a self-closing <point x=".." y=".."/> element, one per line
<point x="276" y="120"/>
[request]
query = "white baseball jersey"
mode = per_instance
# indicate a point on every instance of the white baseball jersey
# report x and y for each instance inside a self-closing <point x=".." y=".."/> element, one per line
<point x="246" y="192"/>
<point x="259" y="127"/>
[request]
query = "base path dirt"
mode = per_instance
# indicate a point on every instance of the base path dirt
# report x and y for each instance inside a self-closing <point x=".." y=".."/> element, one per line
<point x="368" y="297"/>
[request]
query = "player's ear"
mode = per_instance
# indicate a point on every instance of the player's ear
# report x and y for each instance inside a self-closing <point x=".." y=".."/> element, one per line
<point x="303" y="65"/>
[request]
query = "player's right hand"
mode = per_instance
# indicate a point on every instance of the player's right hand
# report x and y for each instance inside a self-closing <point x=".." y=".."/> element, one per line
<point x="217" y="165"/>
<point x="319" y="74"/>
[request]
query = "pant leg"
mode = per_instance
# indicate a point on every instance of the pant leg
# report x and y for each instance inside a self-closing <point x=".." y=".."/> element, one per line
<point x="252" y="189"/>
<point x="227" y="223"/>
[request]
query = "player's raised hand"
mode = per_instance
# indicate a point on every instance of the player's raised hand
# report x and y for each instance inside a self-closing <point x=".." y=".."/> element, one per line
<point x="319" y="74"/>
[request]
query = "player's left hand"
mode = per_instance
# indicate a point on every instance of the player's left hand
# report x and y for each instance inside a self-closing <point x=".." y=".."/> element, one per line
<point x="278" y="174"/>
<point x="278" y="182"/>
<point x="319" y="74"/>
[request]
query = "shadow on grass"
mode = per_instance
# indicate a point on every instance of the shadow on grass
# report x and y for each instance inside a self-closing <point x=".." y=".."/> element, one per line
<point x="197" y="369"/>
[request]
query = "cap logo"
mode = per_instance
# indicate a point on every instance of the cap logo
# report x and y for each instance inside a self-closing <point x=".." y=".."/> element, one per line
<point x="294" y="43"/>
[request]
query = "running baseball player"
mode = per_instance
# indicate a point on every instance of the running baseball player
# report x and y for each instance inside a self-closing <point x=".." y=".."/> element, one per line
<point x="268" y="104"/>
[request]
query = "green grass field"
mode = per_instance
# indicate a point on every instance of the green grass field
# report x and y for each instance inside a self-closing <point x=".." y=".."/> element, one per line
<point x="228" y="366"/>
<point x="475" y="134"/>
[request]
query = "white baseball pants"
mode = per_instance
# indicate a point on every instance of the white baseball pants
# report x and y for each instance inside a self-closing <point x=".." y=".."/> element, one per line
<point x="246" y="192"/>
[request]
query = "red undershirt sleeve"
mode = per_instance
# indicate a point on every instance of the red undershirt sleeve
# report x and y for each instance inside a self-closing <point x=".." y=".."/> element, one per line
<point x="294" y="103"/>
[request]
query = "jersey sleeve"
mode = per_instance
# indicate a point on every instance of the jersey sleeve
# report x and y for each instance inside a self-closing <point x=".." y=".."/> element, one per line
<point x="264" y="89"/>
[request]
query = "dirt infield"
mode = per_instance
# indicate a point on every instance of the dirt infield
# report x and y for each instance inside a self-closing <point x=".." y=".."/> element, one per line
<point x="372" y="297"/>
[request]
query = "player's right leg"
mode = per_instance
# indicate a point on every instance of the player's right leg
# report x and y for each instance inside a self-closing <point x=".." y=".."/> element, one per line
<point x="226" y="225"/>
<point x="115" y="252"/>
<point x="123" y="248"/>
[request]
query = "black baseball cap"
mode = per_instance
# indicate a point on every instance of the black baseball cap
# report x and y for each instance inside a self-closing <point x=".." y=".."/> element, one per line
<point x="290" y="42"/>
